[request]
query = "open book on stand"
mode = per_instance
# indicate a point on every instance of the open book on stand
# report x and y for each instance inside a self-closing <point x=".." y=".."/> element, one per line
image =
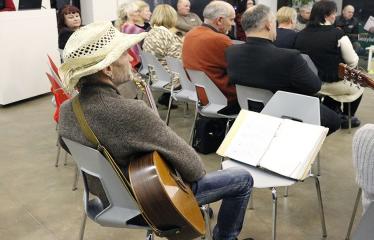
<point x="282" y="146"/>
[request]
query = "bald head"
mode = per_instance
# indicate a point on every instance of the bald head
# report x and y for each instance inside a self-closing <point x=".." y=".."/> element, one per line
<point x="348" y="12"/>
<point x="220" y="15"/>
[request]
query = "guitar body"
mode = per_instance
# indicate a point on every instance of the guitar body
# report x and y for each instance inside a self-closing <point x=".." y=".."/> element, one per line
<point x="165" y="201"/>
<point x="356" y="76"/>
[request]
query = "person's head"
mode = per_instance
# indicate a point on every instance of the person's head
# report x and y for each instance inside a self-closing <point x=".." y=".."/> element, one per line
<point x="259" y="21"/>
<point x="97" y="53"/>
<point x="348" y="12"/>
<point x="69" y="17"/>
<point x="127" y="13"/>
<point x="323" y="12"/>
<point x="305" y="11"/>
<point x="287" y="16"/>
<point x="220" y="15"/>
<point x="250" y="3"/>
<point x="144" y="11"/>
<point x="164" y="15"/>
<point x="183" y="7"/>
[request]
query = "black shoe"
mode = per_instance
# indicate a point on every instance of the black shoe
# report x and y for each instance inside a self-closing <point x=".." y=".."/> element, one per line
<point x="344" y="124"/>
<point x="164" y="100"/>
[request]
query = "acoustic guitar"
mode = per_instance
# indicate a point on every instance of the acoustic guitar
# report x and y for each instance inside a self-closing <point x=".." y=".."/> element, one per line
<point x="166" y="202"/>
<point x="356" y="76"/>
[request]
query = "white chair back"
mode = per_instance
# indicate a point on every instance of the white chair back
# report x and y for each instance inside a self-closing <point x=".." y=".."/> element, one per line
<point x="188" y="89"/>
<point x="295" y="106"/>
<point x="163" y="77"/>
<point x="250" y="94"/>
<point x="122" y="207"/>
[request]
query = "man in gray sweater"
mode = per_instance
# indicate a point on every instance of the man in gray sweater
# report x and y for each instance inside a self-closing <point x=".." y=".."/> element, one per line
<point x="96" y="61"/>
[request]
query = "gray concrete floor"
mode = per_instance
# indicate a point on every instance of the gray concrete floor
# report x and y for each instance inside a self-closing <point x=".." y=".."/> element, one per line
<point x="36" y="200"/>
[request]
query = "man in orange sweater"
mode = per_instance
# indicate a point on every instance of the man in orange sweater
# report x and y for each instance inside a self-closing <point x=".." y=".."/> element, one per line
<point x="204" y="49"/>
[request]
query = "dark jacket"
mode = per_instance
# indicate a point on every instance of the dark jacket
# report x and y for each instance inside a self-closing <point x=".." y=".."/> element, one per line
<point x="258" y="63"/>
<point x="321" y="44"/>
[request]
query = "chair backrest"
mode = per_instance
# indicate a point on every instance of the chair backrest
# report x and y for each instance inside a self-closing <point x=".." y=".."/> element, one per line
<point x="175" y="65"/>
<point x="294" y="106"/>
<point x="122" y="207"/>
<point x="200" y="79"/>
<point x="249" y="97"/>
<point x="162" y="75"/>
<point x="310" y="63"/>
<point x="59" y="94"/>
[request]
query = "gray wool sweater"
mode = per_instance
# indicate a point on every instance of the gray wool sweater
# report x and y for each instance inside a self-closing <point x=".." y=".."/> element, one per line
<point x="128" y="128"/>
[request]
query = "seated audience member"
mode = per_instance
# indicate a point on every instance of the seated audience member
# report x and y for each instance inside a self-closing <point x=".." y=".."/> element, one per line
<point x="240" y="34"/>
<point x="303" y="17"/>
<point x="286" y="35"/>
<point x="204" y="49"/>
<point x="133" y="17"/>
<point x="7" y="5"/>
<point x="68" y="21"/>
<point x="163" y="41"/>
<point x="131" y="21"/>
<point x="186" y="19"/>
<point x="348" y="23"/>
<point x="327" y="46"/>
<point x="135" y="129"/>
<point x="363" y="162"/>
<point x="258" y="63"/>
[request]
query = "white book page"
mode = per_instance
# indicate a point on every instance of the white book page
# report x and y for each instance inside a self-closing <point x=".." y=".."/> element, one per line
<point x="253" y="138"/>
<point x="369" y="23"/>
<point x="292" y="148"/>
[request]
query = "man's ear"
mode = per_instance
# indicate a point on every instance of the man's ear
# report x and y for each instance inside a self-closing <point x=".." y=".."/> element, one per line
<point x="108" y="71"/>
<point x="268" y="25"/>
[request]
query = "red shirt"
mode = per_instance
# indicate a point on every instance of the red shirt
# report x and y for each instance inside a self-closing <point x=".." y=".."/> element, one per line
<point x="204" y="50"/>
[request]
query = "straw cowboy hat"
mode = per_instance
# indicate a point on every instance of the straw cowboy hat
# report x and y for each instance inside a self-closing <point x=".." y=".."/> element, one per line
<point x="93" y="48"/>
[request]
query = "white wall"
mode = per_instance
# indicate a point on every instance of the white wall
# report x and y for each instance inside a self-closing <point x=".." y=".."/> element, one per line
<point x="98" y="10"/>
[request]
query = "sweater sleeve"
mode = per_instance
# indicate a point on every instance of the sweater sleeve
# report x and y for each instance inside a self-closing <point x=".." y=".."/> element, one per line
<point x="302" y="77"/>
<point x="151" y="133"/>
<point x="348" y="53"/>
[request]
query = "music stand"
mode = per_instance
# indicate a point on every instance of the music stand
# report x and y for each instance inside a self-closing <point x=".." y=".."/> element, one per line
<point x="29" y="4"/>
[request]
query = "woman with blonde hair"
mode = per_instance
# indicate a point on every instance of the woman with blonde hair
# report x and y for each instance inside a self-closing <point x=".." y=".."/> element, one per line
<point x="286" y="34"/>
<point x="162" y="39"/>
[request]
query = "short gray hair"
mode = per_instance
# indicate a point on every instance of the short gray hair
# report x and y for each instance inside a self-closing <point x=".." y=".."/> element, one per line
<point x="216" y="9"/>
<point x="255" y="17"/>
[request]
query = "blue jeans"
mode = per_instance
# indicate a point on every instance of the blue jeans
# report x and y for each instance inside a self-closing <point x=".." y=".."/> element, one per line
<point x="233" y="186"/>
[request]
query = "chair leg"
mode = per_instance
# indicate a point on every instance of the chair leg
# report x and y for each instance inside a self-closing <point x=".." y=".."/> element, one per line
<point x="208" y="232"/>
<point x="150" y="235"/>
<point x="251" y="200"/>
<point x="275" y="203"/>
<point x="58" y="154"/>
<point x="76" y="176"/>
<point x="285" y="192"/>
<point x="66" y="159"/>
<point x="349" y="118"/>
<point x="83" y="226"/>
<point x="193" y="126"/>
<point x="358" y="197"/>
<point x="226" y="131"/>
<point x="169" y="108"/>
<point x="322" y="213"/>
<point x="318" y="165"/>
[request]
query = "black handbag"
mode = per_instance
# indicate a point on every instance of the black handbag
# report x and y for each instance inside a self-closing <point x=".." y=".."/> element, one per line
<point x="209" y="134"/>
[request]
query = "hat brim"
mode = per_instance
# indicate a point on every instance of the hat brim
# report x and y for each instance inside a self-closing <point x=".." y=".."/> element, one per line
<point x="70" y="73"/>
